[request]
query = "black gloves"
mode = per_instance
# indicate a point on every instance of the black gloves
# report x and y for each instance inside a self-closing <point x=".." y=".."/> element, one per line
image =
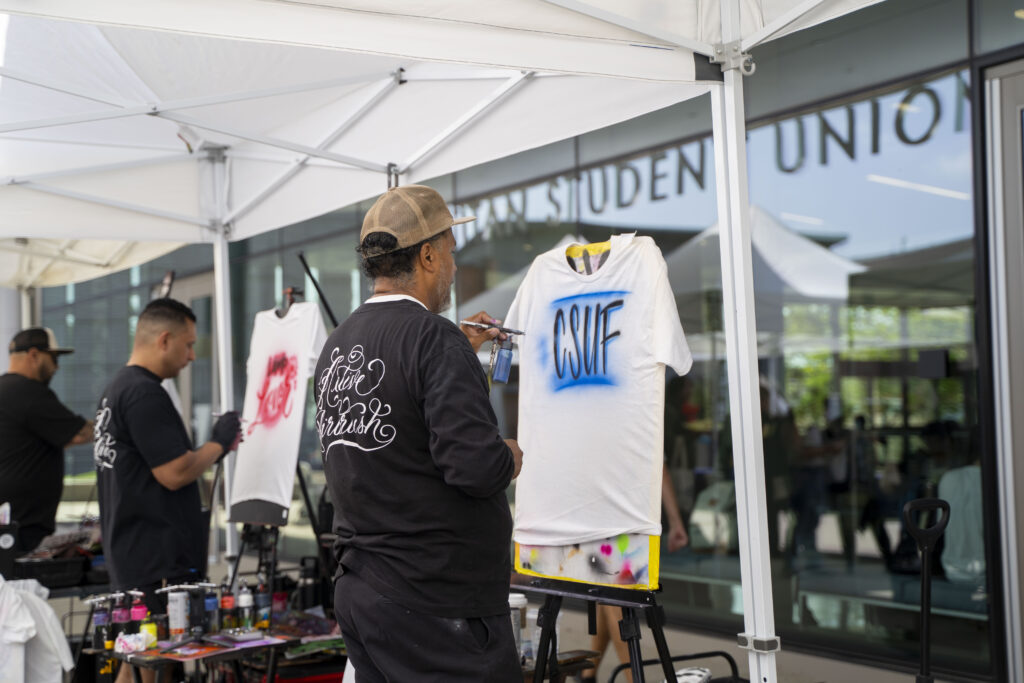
<point x="226" y="431"/>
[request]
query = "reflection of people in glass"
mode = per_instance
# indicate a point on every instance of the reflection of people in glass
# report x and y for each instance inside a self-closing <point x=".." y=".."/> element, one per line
<point x="819" y="449"/>
<point x="782" y="448"/>
<point x="922" y="472"/>
<point x="963" y="553"/>
<point x="680" y="412"/>
<point x="852" y="486"/>
<point x="781" y="443"/>
<point x="866" y="493"/>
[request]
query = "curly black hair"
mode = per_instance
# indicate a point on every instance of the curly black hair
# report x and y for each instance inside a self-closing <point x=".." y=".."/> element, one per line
<point x="391" y="264"/>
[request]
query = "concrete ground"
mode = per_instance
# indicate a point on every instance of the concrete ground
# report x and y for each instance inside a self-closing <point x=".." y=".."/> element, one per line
<point x="792" y="667"/>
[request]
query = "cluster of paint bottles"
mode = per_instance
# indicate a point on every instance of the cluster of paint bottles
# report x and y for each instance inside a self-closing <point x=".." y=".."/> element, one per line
<point x="248" y="609"/>
<point x="190" y="608"/>
<point x="119" y="613"/>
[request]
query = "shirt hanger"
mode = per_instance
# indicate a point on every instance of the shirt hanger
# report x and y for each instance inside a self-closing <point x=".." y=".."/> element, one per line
<point x="289" y="298"/>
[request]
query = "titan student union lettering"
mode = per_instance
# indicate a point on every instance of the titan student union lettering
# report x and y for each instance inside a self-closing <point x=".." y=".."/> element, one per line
<point x="799" y="142"/>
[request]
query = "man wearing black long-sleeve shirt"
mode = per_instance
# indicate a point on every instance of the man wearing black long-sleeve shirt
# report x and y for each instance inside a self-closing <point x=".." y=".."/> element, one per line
<point x="416" y="467"/>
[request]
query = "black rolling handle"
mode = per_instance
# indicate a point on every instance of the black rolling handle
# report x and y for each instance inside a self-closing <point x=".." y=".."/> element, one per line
<point x="927" y="538"/>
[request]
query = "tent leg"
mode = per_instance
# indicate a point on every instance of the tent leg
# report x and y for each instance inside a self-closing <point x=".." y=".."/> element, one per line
<point x="225" y="362"/>
<point x="729" y="130"/>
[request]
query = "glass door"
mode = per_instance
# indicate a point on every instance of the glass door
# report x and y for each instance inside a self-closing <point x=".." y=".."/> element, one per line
<point x="1004" y="95"/>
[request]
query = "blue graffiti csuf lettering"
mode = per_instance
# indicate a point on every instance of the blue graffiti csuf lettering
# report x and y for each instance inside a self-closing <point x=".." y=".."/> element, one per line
<point x="582" y="332"/>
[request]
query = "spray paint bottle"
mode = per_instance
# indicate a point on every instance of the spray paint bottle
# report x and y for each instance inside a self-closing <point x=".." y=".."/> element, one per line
<point x="177" y="611"/>
<point x="100" y="622"/>
<point x="137" y="612"/>
<point x="120" y="615"/>
<point x="228" y="612"/>
<point x="147" y="625"/>
<point x="245" y="607"/>
<point x="211" y="607"/>
<point x="262" y="605"/>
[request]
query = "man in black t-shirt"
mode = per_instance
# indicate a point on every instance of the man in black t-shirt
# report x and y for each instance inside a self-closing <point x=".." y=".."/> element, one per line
<point x="153" y="527"/>
<point x="416" y="467"/>
<point x="35" y="428"/>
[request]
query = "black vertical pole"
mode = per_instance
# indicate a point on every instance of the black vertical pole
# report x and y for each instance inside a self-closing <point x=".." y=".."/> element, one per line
<point x="926" y="616"/>
<point x="323" y="299"/>
<point x="629" y="630"/>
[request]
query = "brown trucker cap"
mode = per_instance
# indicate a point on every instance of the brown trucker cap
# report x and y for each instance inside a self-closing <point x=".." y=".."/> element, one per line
<point x="411" y="214"/>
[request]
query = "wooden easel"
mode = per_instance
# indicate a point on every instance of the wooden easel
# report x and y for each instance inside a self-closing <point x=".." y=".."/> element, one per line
<point x="631" y="602"/>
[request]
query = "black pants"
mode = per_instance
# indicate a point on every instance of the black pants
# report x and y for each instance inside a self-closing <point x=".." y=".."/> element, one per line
<point x="391" y="644"/>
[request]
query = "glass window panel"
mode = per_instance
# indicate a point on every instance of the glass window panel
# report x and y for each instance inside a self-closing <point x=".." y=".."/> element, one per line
<point x="847" y="54"/>
<point x="999" y="24"/>
<point x="872" y="369"/>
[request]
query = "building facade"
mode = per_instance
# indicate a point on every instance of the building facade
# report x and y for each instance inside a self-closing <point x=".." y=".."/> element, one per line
<point x="884" y="164"/>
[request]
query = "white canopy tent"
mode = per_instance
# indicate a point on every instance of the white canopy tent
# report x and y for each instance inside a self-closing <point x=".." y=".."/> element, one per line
<point x="259" y="169"/>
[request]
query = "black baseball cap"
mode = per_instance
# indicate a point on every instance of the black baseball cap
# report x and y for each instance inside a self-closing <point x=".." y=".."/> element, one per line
<point x="41" y="338"/>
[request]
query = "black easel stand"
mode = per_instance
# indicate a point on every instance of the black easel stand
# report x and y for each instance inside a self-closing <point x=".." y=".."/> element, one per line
<point x="256" y="532"/>
<point x="631" y="602"/>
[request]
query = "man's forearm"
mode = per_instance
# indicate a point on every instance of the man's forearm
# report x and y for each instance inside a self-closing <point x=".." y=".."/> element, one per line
<point x="83" y="435"/>
<point x="185" y="469"/>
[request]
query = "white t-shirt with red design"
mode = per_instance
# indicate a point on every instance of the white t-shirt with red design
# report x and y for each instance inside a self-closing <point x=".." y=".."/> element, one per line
<point x="282" y="355"/>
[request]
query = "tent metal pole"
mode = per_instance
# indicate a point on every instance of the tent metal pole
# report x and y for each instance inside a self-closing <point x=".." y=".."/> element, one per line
<point x="273" y="142"/>
<point x="99" y="168"/>
<point x="729" y="130"/>
<point x="65" y="88"/>
<point x="215" y="203"/>
<point x="126" y="206"/>
<point x="222" y="313"/>
<point x="27" y="309"/>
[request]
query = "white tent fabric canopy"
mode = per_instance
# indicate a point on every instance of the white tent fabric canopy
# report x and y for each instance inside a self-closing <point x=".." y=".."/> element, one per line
<point x="640" y="39"/>
<point x="617" y="60"/>
<point x="117" y="127"/>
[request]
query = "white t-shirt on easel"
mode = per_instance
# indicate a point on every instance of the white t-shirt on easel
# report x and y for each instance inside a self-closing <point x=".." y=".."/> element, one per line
<point x="282" y="355"/>
<point x="591" y="393"/>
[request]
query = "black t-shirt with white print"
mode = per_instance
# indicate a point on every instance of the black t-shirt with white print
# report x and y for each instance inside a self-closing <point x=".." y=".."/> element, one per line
<point x="416" y="468"/>
<point x="34" y="429"/>
<point x="150" y="533"/>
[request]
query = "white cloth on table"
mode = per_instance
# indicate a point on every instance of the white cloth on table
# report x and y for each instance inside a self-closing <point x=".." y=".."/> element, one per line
<point x="33" y="647"/>
<point x="17" y="627"/>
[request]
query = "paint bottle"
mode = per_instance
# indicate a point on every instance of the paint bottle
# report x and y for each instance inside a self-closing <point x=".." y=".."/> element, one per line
<point x="120" y="616"/>
<point x="101" y="627"/>
<point x="147" y="625"/>
<point x="245" y="607"/>
<point x="137" y="612"/>
<point x="177" y="614"/>
<point x="228" y="613"/>
<point x="262" y="618"/>
<point x="278" y="598"/>
<point x="211" y="608"/>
